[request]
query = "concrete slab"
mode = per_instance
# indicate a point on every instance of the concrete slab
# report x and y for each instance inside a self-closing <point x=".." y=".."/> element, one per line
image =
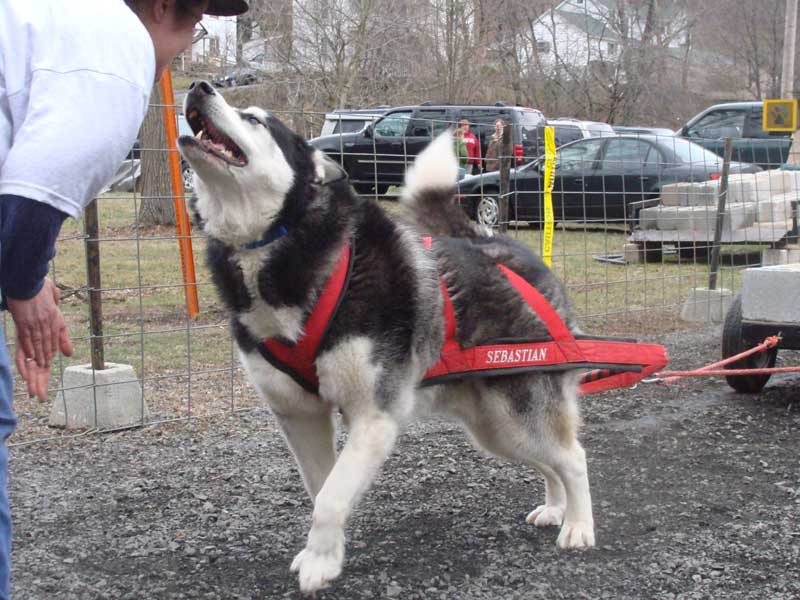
<point x="107" y="399"/>
<point x="704" y="193"/>
<point x="704" y="218"/>
<point x="771" y="293"/>
<point x="704" y="305"/>
<point x="741" y="189"/>
<point x="648" y="217"/>
<point x="774" y="256"/>
<point x="669" y="216"/>
<point x="772" y="210"/>
<point x="632" y="254"/>
<point x="770" y="183"/>
<point x="675" y="194"/>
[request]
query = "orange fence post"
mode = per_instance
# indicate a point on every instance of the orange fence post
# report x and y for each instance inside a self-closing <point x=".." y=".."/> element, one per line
<point x="183" y="225"/>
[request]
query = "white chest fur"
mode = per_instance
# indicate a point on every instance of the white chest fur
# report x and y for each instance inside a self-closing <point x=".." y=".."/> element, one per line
<point x="264" y="320"/>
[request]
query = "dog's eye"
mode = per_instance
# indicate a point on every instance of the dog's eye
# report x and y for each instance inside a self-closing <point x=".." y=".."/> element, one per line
<point x="253" y="121"/>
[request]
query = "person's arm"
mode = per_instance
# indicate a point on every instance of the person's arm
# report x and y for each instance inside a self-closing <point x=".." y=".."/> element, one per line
<point x="28" y="231"/>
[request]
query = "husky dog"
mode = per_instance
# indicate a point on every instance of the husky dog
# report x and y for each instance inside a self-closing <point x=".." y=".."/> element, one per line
<point x="277" y="214"/>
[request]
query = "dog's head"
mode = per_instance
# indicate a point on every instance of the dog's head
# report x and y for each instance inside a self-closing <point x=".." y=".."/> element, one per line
<point x="246" y="162"/>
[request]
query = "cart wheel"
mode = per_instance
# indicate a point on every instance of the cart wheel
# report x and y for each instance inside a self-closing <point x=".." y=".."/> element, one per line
<point x="732" y="344"/>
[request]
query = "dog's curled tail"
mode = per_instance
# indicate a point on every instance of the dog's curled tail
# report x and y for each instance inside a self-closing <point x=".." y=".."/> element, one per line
<point x="429" y="190"/>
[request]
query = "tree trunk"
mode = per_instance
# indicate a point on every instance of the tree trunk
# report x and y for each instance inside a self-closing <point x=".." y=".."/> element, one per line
<point x="156" y="190"/>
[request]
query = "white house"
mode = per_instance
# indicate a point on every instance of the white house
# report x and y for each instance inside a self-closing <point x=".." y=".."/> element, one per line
<point x="576" y="33"/>
<point x="217" y="48"/>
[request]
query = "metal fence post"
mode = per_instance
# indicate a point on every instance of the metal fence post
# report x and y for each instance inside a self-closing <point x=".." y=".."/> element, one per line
<point x="506" y="156"/>
<point x="723" y="193"/>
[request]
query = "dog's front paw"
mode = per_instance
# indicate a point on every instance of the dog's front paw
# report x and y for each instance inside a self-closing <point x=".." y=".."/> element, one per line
<point x="317" y="568"/>
<point x="546" y="516"/>
<point x="578" y="534"/>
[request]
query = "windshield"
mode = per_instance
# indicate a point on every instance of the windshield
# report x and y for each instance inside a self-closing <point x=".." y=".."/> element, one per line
<point x="689" y="152"/>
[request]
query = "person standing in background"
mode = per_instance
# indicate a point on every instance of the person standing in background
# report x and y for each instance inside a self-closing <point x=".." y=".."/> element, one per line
<point x="494" y="149"/>
<point x="75" y="82"/>
<point x="473" y="148"/>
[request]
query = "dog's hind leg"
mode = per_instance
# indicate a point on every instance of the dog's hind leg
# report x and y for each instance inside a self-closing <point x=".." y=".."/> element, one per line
<point x="551" y="513"/>
<point x="533" y="420"/>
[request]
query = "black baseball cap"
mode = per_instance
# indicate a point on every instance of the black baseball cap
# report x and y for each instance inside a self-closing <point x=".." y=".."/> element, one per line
<point x="226" y="8"/>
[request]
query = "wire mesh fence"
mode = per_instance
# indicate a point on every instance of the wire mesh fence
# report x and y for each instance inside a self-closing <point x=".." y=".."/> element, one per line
<point x="636" y="213"/>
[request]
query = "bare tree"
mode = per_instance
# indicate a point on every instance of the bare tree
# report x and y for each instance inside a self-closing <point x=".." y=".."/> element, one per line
<point x="157" y="206"/>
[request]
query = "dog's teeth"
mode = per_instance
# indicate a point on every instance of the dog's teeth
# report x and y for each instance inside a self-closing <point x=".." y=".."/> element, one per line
<point x="200" y="134"/>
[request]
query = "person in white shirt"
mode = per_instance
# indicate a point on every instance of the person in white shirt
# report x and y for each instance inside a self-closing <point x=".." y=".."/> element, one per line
<point x="75" y="81"/>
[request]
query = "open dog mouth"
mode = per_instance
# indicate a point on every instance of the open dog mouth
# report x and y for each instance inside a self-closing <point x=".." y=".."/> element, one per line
<point x="213" y="141"/>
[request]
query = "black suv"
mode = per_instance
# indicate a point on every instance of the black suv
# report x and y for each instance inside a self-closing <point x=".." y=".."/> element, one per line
<point x="377" y="156"/>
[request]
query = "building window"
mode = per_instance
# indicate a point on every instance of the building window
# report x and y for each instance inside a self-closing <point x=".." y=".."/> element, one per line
<point x="543" y="47"/>
<point x="213" y="48"/>
<point x="611" y="48"/>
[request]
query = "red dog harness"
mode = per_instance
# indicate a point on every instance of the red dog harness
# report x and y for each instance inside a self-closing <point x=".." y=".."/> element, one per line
<point x="610" y="362"/>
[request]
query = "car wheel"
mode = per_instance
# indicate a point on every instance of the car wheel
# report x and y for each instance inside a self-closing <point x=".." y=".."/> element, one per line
<point x="188" y="178"/>
<point x="733" y="344"/>
<point x="487" y="211"/>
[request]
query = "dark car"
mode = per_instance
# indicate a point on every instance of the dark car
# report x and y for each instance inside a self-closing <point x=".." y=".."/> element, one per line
<point x="743" y="123"/>
<point x="377" y="156"/>
<point x="595" y="179"/>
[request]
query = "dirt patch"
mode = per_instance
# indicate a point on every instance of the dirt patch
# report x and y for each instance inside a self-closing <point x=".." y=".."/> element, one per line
<point x="696" y="494"/>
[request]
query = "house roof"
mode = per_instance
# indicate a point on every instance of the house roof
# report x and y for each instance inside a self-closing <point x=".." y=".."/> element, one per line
<point x="594" y="27"/>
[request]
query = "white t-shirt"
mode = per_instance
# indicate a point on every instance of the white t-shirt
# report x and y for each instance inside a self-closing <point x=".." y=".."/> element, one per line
<point x="75" y="81"/>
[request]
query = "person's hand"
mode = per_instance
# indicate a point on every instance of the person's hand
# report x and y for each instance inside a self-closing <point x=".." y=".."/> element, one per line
<point x="37" y="378"/>
<point x="41" y="330"/>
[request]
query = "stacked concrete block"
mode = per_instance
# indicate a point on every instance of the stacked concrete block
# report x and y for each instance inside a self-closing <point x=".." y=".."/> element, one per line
<point x="770" y="293"/>
<point x="741" y="188"/>
<point x="669" y="217"/>
<point x="779" y="256"/>
<point x="704" y="193"/>
<point x="675" y="194"/>
<point x="648" y="217"/>
<point x="704" y="218"/>
<point x="791" y="181"/>
<point x="776" y="208"/>
<point x="769" y="183"/>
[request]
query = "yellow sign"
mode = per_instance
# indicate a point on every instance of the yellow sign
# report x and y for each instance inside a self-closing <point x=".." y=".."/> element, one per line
<point x="549" y="164"/>
<point x="780" y="115"/>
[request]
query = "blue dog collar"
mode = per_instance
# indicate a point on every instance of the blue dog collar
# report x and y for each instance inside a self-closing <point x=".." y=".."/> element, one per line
<point x="275" y="232"/>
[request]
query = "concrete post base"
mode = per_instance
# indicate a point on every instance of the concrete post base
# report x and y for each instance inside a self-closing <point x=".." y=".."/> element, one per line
<point x="704" y="305"/>
<point x="107" y="399"/>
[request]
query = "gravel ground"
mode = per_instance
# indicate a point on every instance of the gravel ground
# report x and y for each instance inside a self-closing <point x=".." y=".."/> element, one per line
<point x="696" y="494"/>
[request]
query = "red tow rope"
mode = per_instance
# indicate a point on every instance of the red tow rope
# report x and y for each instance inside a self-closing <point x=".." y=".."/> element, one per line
<point x="712" y="371"/>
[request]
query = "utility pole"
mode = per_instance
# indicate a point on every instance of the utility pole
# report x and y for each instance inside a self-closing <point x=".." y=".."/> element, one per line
<point x="787" y="70"/>
<point x="789" y="44"/>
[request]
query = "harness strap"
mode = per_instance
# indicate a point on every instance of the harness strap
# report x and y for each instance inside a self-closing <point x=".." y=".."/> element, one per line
<point x="298" y="360"/>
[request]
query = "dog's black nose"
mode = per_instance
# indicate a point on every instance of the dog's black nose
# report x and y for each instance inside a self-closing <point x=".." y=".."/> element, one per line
<point x="202" y="86"/>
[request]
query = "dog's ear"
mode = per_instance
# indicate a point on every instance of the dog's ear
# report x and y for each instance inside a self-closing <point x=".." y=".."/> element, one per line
<point x="325" y="170"/>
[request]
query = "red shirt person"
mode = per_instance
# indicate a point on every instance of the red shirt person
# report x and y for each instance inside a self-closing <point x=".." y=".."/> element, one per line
<point x="473" y="148"/>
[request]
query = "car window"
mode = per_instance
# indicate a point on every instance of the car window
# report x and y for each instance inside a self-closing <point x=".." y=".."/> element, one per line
<point x="579" y="156"/>
<point x="687" y="151"/>
<point x="529" y="122"/>
<point x="428" y="123"/>
<point x="625" y="153"/>
<point x="567" y="133"/>
<point x="481" y="120"/>
<point x="719" y="124"/>
<point x="393" y="125"/>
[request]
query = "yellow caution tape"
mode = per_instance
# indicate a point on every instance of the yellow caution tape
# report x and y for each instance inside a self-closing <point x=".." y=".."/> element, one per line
<point x="549" y="168"/>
